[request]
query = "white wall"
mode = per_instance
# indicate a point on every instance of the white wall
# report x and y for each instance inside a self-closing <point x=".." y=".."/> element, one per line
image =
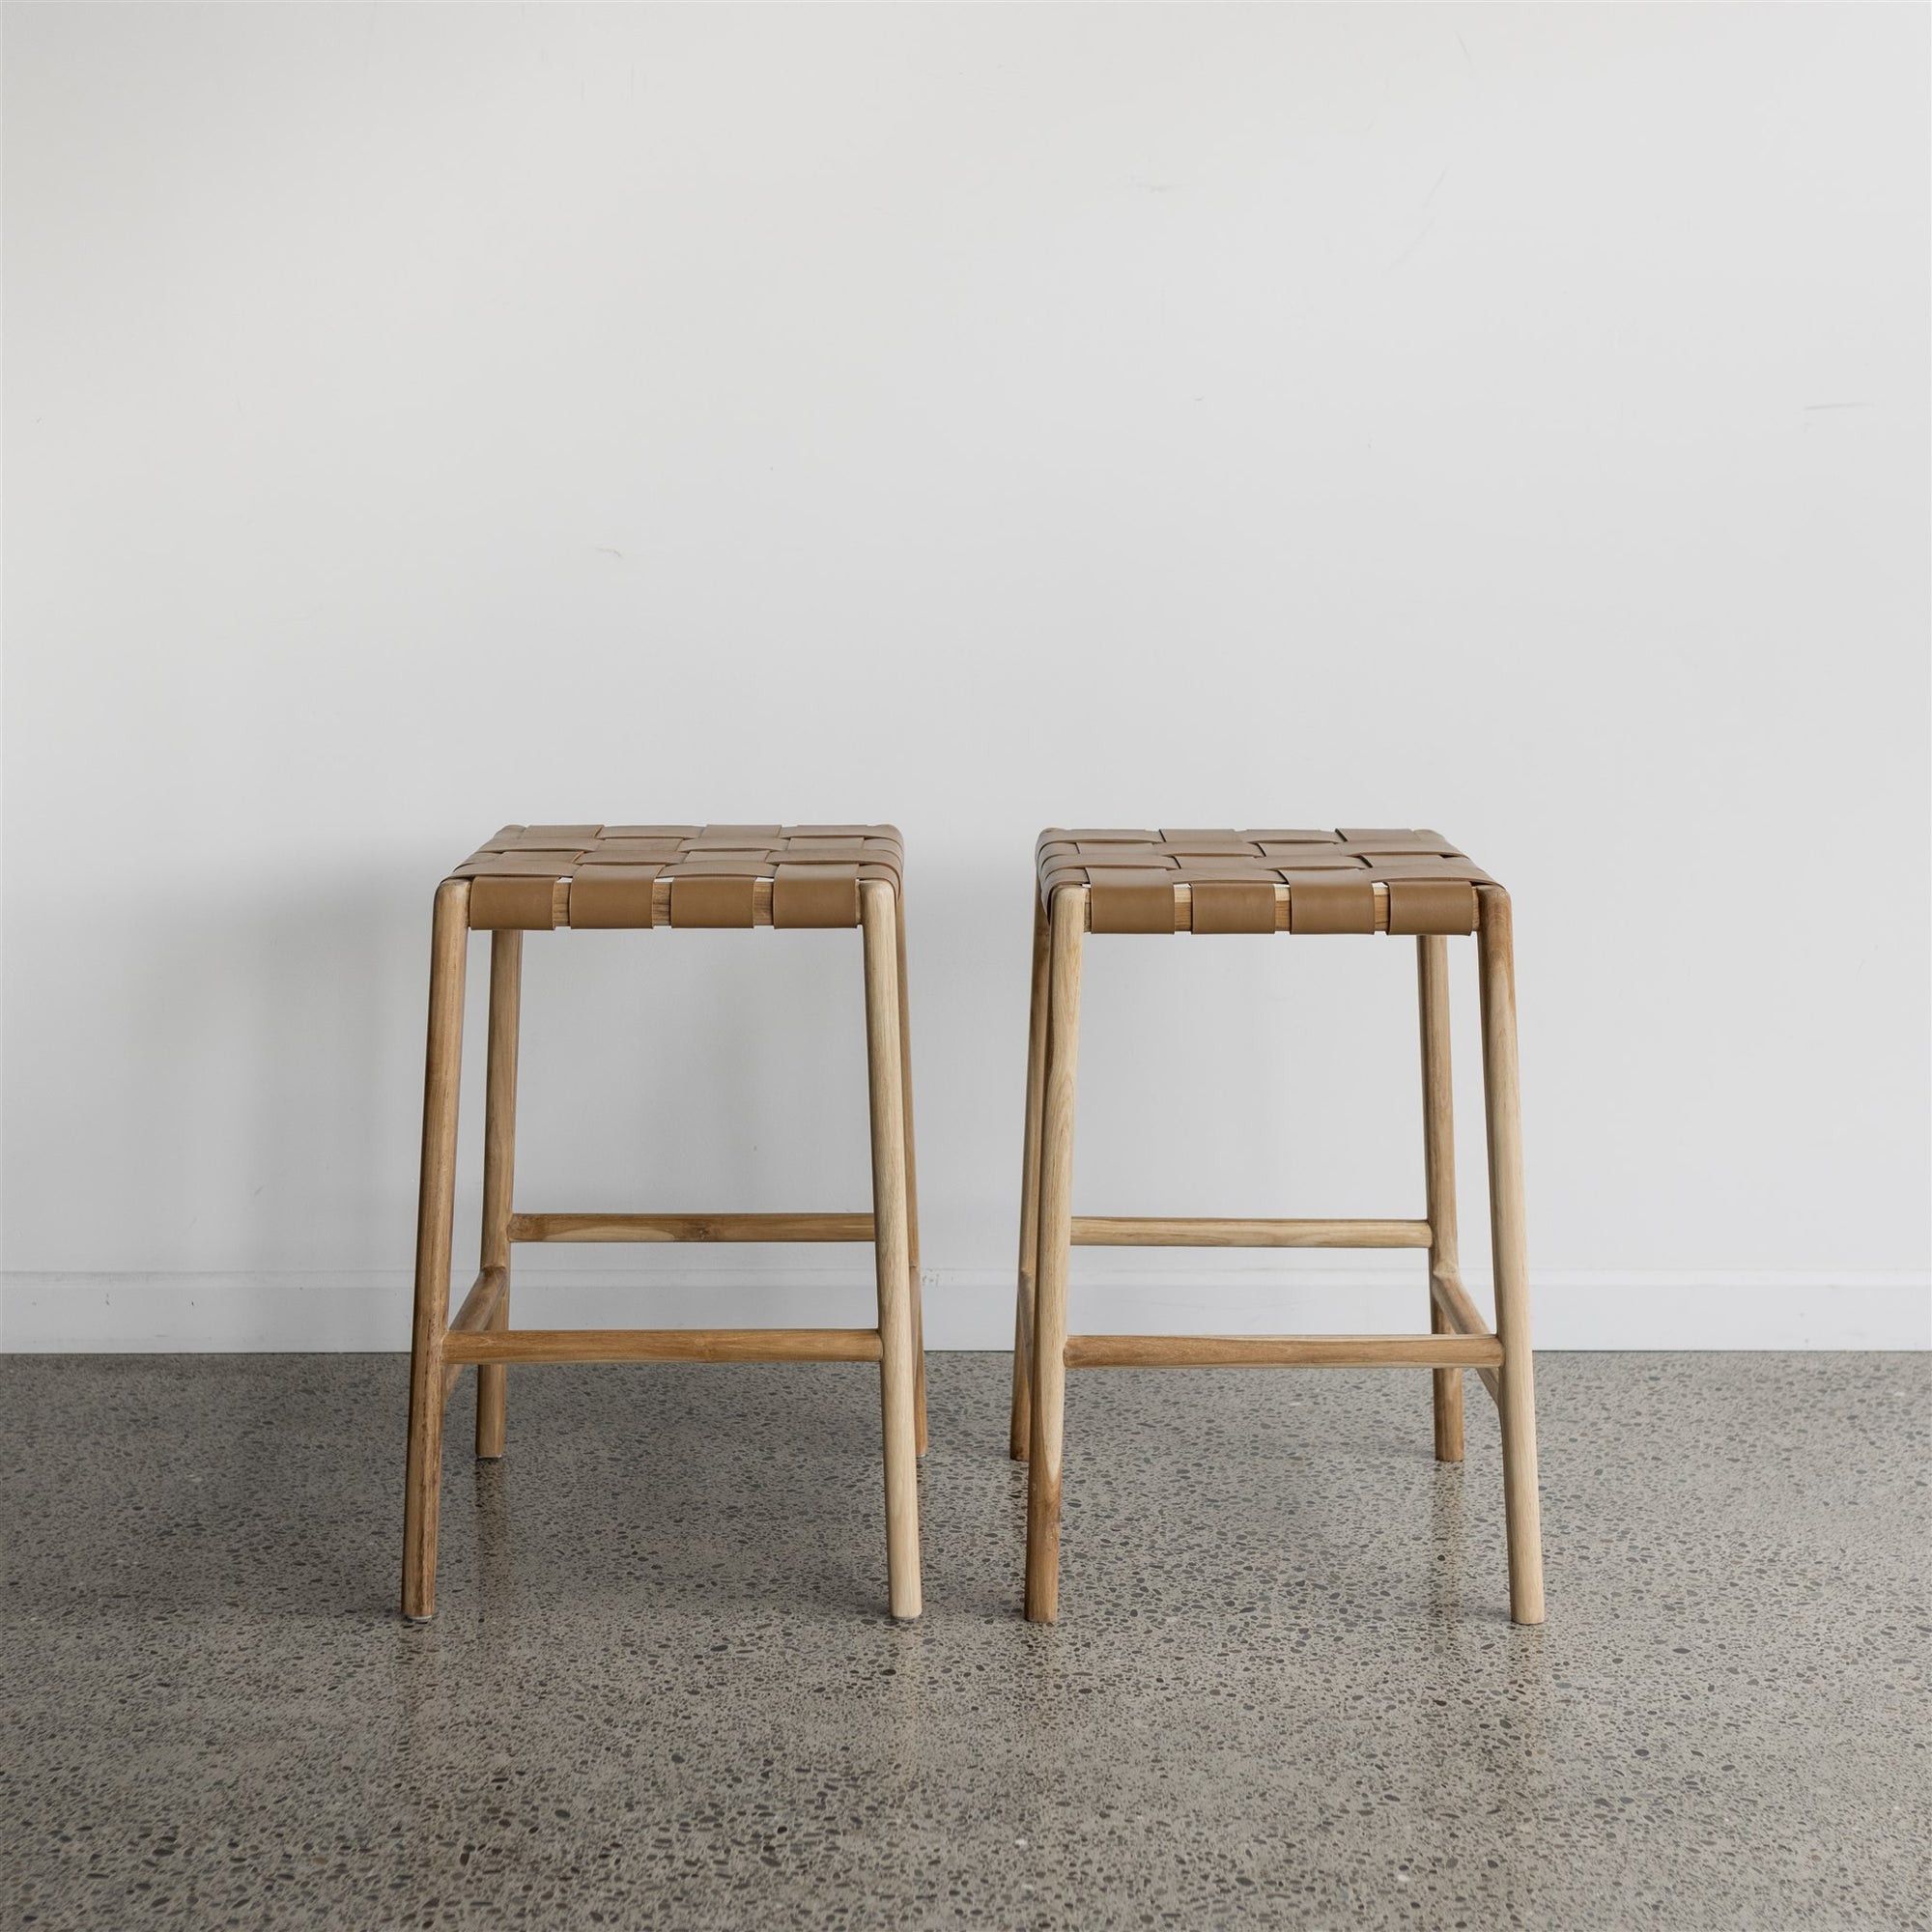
<point x="1511" y="420"/>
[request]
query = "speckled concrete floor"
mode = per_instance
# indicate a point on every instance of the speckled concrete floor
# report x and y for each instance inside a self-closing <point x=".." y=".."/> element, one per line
<point x="660" y="1689"/>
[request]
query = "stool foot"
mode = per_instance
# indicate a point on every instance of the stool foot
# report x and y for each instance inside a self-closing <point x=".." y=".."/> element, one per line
<point x="1020" y="1424"/>
<point x="422" y="1483"/>
<point x="911" y="1173"/>
<point x="892" y="1246"/>
<point x="1067" y="924"/>
<point x="500" y="1159"/>
<point x="492" y="1389"/>
<point x="1447" y="1392"/>
<point x="1438" y="1162"/>
<point x="1516" y="1379"/>
<point x="1020" y="1428"/>
<point x="919" y="1439"/>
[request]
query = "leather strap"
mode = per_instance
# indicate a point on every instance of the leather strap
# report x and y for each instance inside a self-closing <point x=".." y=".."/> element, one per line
<point x="1231" y="881"/>
<point x="531" y="877"/>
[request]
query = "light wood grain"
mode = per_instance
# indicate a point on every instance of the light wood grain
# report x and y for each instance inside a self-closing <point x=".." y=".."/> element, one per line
<point x="665" y="1345"/>
<point x="911" y="1182"/>
<point x="1509" y="1247"/>
<point x="885" y="1080"/>
<point x="436" y="1208"/>
<point x="1020" y="1426"/>
<point x="1438" y="1165"/>
<point x="1067" y="920"/>
<point x="499" y="1163"/>
<point x="1125" y="1231"/>
<point x="651" y="1227"/>
<point x="1259" y="1352"/>
<point x="1457" y="1314"/>
<point x="482" y="1308"/>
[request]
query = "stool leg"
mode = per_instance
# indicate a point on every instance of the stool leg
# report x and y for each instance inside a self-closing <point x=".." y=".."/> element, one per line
<point x="499" y="1161"/>
<point x="436" y="1209"/>
<point x="911" y="1182"/>
<point x="1067" y="922"/>
<point x="885" y="1079"/>
<point x="1438" y="1160"/>
<point x="1516" y="1384"/>
<point x="1035" y="1088"/>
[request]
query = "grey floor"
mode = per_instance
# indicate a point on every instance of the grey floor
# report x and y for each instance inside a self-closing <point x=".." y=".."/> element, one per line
<point x="660" y="1688"/>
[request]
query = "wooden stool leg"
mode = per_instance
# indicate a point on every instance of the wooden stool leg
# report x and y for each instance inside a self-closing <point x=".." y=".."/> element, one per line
<point x="1438" y="1160"/>
<point x="500" y="1161"/>
<point x="1067" y="926"/>
<point x="1515" y="1378"/>
<point x="1035" y="1088"/>
<point x="911" y="1183"/>
<point x="886" y="1080"/>
<point x="436" y="1210"/>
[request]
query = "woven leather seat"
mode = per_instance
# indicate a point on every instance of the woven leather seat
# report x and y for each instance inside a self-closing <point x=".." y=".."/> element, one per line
<point x="1354" y="880"/>
<point x="534" y="877"/>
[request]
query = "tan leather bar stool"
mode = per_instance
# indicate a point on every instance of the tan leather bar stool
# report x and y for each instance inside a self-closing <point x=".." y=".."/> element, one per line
<point x="535" y="878"/>
<point x="1263" y="882"/>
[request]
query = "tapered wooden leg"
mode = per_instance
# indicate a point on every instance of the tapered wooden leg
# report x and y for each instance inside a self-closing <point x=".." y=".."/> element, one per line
<point x="911" y="1182"/>
<point x="1036" y="1086"/>
<point x="1438" y="1160"/>
<point x="436" y="1209"/>
<point x="1516" y="1382"/>
<point x="1067" y="931"/>
<point x="886" y="1081"/>
<point x="500" y="1161"/>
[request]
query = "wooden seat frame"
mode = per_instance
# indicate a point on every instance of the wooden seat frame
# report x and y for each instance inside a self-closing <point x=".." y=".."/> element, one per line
<point x="1458" y="1338"/>
<point x="480" y="1334"/>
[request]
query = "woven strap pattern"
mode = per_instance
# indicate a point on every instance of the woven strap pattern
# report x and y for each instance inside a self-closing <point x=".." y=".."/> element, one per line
<point x="534" y="877"/>
<point x="1354" y="880"/>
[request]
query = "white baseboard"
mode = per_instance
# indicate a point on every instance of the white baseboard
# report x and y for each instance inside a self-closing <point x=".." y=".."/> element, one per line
<point x="964" y="1309"/>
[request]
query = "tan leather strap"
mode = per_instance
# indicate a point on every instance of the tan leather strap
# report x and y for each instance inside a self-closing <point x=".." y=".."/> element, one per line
<point x="1357" y="879"/>
<point x="534" y="877"/>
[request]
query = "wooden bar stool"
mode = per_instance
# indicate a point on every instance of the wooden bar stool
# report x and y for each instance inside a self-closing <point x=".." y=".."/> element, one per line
<point x="535" y="878"/>
<point x="1301" y="882"/>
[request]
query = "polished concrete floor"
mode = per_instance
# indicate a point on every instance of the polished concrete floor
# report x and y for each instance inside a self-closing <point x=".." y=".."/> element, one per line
<point x="660" y="1689"/>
